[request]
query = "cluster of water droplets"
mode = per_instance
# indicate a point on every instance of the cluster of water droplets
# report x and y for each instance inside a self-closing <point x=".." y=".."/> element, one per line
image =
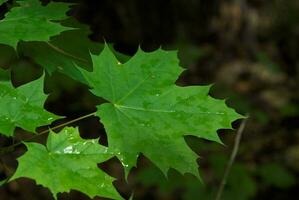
<point x="70" y="150"/>
<point x="122" y="159"/>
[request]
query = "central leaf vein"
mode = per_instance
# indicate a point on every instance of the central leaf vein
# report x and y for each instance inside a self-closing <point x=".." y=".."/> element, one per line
<point x="142" y="109"/>
<point x="133" y="89"/>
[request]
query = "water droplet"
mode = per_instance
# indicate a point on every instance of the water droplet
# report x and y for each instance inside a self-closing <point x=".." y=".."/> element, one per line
<point x="94" y="141"/>
<point x="76" y="151"/>
<point x="68" y="149"/>
<point x="119" y="63"/>
<point x="219" y="113"/>
<point x="71" y="138"/>
<point x="157" y="95"/>
<point x="125" y="165"/>
<point x="50" y="118"/>
<point x="14" y="98"/>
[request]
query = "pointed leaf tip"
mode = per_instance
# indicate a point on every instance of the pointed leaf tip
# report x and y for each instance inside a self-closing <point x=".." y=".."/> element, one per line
<point x="147" y="113"/>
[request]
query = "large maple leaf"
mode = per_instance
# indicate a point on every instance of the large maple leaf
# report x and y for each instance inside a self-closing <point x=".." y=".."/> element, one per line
<point x="147" y="113"/>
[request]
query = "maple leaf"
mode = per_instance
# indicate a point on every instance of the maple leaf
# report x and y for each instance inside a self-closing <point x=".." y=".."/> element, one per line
<point x="23" y="106"/>
<point x="147" y="113"/>
<point x="32" y="22"/>
<point x="68" y="162"/>
<point x="2" y="1"/>
<point x="65" y="51"/>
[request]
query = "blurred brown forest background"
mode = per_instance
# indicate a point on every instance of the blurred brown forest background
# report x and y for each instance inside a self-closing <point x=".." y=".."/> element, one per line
<point x="247" y="48"/>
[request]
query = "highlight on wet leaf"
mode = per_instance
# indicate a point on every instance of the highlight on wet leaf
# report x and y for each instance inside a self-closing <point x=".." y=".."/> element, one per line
<point x="148" y="113"/>
<point x="23" y="106"/>
<point x="68" y="162"/>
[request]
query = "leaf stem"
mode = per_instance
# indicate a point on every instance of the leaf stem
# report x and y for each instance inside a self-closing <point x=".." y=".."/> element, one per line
<point x="12" y="147"/>
<point x="232" y="159"/>
<point x="66" y="53"/>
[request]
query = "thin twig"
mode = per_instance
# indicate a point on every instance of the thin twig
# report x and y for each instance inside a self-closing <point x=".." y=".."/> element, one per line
<point x="12" y="147"/>
<point x="232" y="159"/>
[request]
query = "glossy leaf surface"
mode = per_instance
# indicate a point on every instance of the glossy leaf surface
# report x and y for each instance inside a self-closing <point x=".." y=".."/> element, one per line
<point x="32" y="22"/>
<point x="68" y="162"/>
<point x="147" y="113"/>
<point x="23" y="106"/>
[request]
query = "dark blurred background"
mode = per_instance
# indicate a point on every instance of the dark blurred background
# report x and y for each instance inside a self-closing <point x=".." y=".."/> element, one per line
<point x="247" y="48"/>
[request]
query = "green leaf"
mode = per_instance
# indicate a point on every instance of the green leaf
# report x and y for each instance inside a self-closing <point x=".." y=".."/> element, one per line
<point x="63" y="52"/>
<point x="68" y="162"/>
<point x="23" y="107"/>
<point x="147" y="113"/>
<point x="32" y="22"/>
<point x="2" y="1"/>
